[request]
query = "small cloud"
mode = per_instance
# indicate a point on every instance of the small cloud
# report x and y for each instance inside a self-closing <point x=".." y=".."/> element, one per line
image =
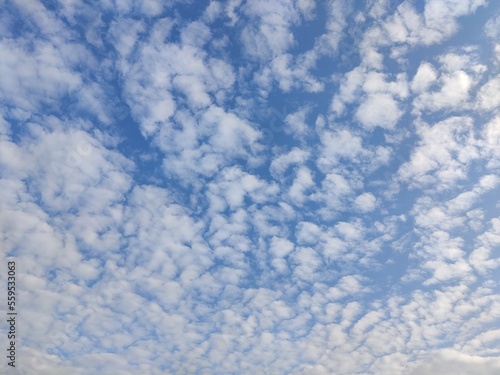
<point x="379" y="110"/>
<point x="425" y="76"/>
<point x="365" y="202"/>
<point x="281" y="247"/>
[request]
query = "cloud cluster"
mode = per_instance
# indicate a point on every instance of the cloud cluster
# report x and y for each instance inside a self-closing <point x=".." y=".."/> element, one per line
<point x="252" y="187"/>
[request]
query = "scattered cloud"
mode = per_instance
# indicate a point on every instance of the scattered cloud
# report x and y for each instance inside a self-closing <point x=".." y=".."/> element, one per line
<point x="288" y="187"/>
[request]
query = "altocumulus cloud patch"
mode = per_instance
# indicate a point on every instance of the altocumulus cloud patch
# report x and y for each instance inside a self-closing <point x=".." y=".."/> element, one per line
<point x="286" y="187"/>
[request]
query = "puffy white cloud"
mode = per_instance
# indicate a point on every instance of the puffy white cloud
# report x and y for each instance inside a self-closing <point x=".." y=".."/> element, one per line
<point x="379" y="110"/>
<point x="269" y="34"/>
<point x="280" y="164"/>
<point x="306" y="263"/>
<point x="338" y="146"/>
<point x="347" y="286"/>
<point x="234" y="185"/>
<point x="450" y="361"/>
<point x="297" y="122"/>
<point x="481" y="258"/>
<point x="459" y="74"/>
<point x="379" y="105"/>
<point x="162" y="69"/>
<point x="425" y="76"/>
<point x="281" y="247"/>
<point x="492" y="26"/>
<point x="349" y="90"/>
<point x="491" y="135"/>
<point x="442" y="155"/>
<point x="302" y="182"/>
<point x="204" y="146"/>
<point x="488" y="97"/>
<point x="36" y="78"/>
<point x="437" y="11"/>
<point x="365" y="202"/>
<point x="291" y="74"/>
<point x="351" y="242"/>
<point x="454" y="92"/>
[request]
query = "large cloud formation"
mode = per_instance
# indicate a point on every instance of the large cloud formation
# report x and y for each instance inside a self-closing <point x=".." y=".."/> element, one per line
<point x="287" y="187"/>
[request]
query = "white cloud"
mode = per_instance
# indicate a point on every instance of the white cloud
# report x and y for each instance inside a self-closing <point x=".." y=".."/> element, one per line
<point x="438" y="21"/>
<point x="481" y="258"/>
<point x="40" y="77"/>
<point x="280" y="164"/>
<point x="291" y="74"/>
<point x="297" y="123"/>
<point x="340" y="145"/>
<point x="437" y="11"/>
<point x="377" y="83"/>
<point x="406" y="26"/>
<point x="459" y="74"/>
<point x="307" y="8"/>
<point x="335" y="190"/>
<point x="379" y="110"/>
<point x="232" y="187"/>
<point x="488" y="97"/>
<point x="492" y="26"/>
<point x="202" y="147"/>
<point x="365" y="202"/>
<point x="195" y="34"/>
<point x="308" y="233"/>
<point x="349" y="231"/>
<point x="443" y="154"/>
<point x="302" y="182"/>
<point x="449" y="361"/>
<point x="163" y="68"/>
<point x="349" y="90"/>
<point x="425" y="76"/>
<point x="231" y="254"/>
<point x="268" y="33"/>
<point x="491" y="135"/>
<point x="454" y="92"/>
<point x="306" y="262"/>
<point x="281" y="247"/>
<point x="378" y="106"/>
<point x="347" y="286"/>
<point x="125" y="34"/>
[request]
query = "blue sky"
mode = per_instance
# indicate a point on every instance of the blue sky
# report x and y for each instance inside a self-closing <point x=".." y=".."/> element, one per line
<point x="242" y="187"/>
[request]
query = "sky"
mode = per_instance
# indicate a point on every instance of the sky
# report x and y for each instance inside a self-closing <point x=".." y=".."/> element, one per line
<point x="251" y="187"/>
